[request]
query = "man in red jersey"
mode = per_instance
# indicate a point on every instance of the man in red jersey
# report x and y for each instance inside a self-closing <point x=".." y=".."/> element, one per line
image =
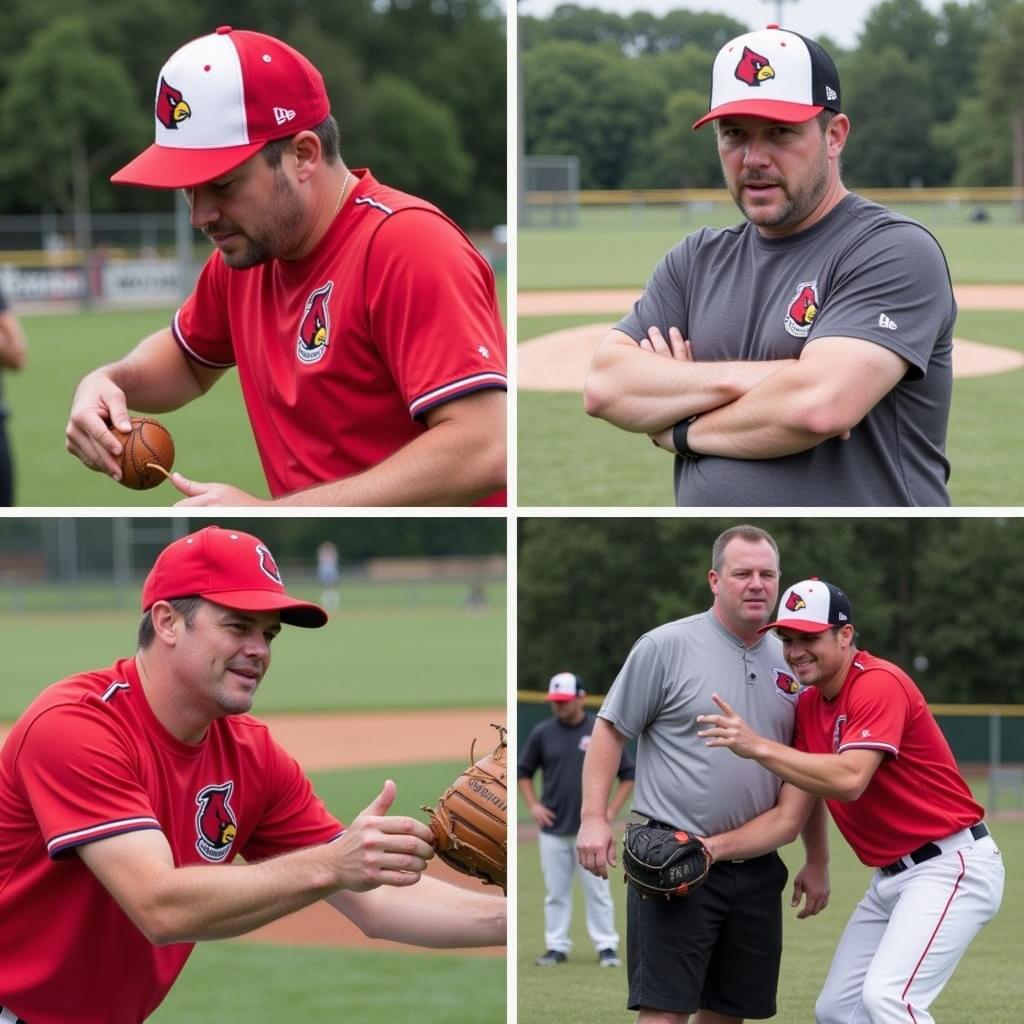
<point x="867" y="742"/>
<point x="126" y="793"/>
<point x="363" y="323"/>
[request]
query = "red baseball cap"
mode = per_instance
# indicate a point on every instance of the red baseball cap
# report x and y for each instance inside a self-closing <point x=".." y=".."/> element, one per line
<point x="219" y="99"/>
<point x="229" y="568"/>
<point x="772" y="73"/>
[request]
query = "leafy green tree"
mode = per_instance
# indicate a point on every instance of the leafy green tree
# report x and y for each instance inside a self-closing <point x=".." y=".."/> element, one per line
<point x="413" y="143"/>
<point x="678" y="156"/>
<point x="886" y="97"/>
<point x="1002" y="86"/>
<point x="90" y="118"/>
<point x="981" y="156"/>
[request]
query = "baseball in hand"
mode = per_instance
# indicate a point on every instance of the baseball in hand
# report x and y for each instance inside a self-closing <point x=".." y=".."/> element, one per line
<point x="147" y="453"/>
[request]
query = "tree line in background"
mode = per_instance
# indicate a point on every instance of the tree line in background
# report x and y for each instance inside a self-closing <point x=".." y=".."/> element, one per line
<point x="933" y="99"/>
<point x="939" y="596"/>
<point x="417" y="86"/>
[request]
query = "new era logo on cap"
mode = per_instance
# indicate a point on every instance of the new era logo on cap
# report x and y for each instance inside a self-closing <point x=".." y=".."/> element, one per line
<point x="812" y="606"/>
<point x="283" y="116"/>
<point x="773" y="74"/>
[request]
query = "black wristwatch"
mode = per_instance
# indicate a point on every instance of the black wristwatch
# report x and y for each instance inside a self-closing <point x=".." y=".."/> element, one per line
<point x="679" y="442"/>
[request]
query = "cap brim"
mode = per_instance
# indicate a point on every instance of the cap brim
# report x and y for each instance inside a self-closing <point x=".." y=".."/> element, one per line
<point x="800" y="625"/>
<point x="561" y="698"/>
<point x="168" y="167"/>
<point x="772" y="110"/>
<point x="293" y="612"/>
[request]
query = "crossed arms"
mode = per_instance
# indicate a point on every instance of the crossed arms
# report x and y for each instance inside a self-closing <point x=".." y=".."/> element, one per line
<point x="747" y="410"/>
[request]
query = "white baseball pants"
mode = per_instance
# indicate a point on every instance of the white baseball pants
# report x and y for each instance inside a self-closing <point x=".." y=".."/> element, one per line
<point x="908" y="933"/>
<point x="559" y="865"/>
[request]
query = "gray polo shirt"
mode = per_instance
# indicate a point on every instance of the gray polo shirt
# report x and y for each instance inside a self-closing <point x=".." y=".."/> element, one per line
<point x="666" y="681"/>
<point x="868" y="273"/>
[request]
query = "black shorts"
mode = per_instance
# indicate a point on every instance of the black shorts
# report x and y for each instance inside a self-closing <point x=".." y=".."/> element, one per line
<point x="717" y="949"/>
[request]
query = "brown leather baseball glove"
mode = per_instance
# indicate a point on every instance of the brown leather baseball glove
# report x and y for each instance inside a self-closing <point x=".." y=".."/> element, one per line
<point x="470" y="821"/>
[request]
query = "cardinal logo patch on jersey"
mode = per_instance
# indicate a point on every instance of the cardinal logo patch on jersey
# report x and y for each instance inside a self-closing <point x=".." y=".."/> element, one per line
<point x="785" y="681"/>
<point x="795" y="602"/>
<point x="584" y="743"/>
<point x="171" y="108"/>
<point x="753" y="68"/>
<point x="803" y="308"/>
<point x="315" y="326"/>
<point x="216" y="825"/>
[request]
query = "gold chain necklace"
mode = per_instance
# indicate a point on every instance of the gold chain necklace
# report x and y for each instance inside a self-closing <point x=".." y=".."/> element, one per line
<point x="344" y="189"/>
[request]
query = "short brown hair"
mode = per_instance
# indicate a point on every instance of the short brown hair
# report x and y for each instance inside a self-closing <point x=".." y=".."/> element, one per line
<point x="326" y="131"/>
<point x="753" y="534"/>
<point x="185" y="606"/>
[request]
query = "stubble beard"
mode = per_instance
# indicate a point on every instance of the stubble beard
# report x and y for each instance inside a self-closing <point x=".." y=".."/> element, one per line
<point x="794" y="210"/>
<point x="277" y="237"/>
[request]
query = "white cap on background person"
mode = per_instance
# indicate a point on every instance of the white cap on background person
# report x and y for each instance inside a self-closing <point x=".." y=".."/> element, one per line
<point x="775" y="74"/>
<point x="564" y="686"/>
<point x="812" y="606"/>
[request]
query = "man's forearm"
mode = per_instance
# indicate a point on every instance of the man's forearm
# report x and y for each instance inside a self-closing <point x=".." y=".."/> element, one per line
<point x="827" y="775"/>
<point x="644" y="392"/>
<point x="815" y="834"/>
<point x="600" y="765"/>
<point x="156" y="376"/>
<point x="619" y="798"/>
<point x="431" y="913"/>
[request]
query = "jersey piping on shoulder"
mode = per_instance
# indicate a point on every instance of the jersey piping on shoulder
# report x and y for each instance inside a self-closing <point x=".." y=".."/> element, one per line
<point x="456" y="389"/>
<point x="368" y="201"/>
<point x="179" y="337"/>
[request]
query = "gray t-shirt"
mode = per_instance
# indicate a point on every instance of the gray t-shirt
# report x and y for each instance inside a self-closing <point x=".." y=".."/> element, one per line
<point x="557" y="750"/>
<point x="870" y="274"/>
<point x="666" y="681"/>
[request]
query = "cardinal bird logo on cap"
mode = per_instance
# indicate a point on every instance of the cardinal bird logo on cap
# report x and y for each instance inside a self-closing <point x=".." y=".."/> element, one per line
<point x="171" y="108"/>
<point x="216" y="824"/>
<point x="753" y="68"/>
<point x="802" y="309"/>
<point x="795" y="602"/>
<point x="268" y="565"/>
<point x="315" y="327"/>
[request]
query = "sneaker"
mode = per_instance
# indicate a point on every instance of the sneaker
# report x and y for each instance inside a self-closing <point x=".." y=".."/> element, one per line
<point x="550" y="958"/>
<point x="608" y="958"/>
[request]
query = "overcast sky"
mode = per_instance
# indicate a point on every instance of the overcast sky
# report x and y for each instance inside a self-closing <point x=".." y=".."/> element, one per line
<point x="840" y="21"/>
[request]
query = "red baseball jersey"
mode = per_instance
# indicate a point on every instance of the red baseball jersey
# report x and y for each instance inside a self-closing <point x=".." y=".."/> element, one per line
<point x="341" y="353"/>
<point x="89" y="760"/>
<point x="917" y="794"/>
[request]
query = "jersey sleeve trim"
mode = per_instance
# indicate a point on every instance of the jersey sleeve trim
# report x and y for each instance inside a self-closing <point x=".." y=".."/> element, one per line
<point x="179" y="337"/>
<point x="457" y="389"/>
<point x="862" y="745"/>
<point x="66" y="841"/>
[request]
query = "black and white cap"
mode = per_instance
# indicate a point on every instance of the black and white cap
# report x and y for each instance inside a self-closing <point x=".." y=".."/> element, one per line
<point x="812" y="606"/>
<point x="772" y="73"/>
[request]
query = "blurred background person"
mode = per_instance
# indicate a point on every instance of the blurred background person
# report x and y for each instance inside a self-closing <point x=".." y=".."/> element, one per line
<point x="13" y="350"/>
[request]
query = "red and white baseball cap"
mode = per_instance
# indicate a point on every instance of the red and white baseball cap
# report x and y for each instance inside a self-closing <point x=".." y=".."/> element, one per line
<point x="564" y="687"/>
<point x="812" y="606"/>
<point x="229" y="568"/>
<point x="219" y="99"/>
<point x="772" y="73"/>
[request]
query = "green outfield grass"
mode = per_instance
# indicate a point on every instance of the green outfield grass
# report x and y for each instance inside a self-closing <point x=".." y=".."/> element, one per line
<point x="566" y="458"/>
<point x="987" y="986"/>
<point x="246" y="981"/>
<point x="618" y="247"/>
<point x="428" y="653"/>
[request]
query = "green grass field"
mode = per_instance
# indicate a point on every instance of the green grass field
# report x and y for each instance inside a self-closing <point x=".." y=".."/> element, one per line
<point x="987" y="986"/>
<point x="212" y="437"/>
<point x="417" y="650"/>
<point x="617" y="247"/>
<point x="567" y="459"/>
